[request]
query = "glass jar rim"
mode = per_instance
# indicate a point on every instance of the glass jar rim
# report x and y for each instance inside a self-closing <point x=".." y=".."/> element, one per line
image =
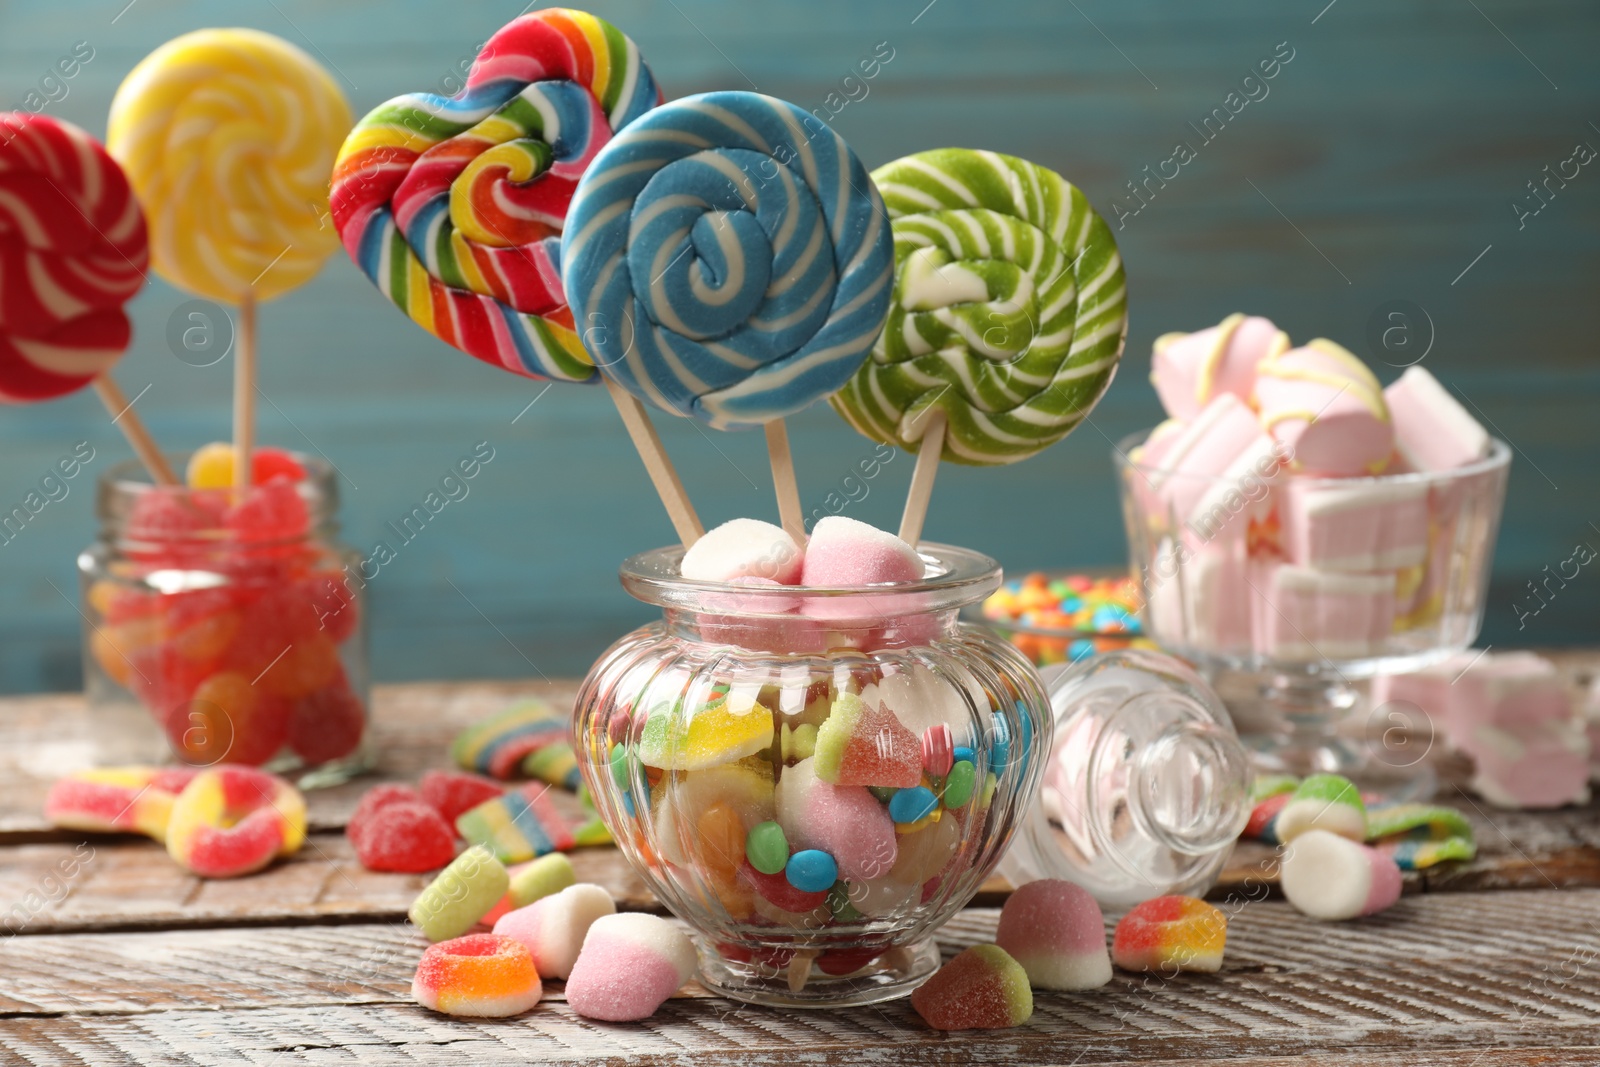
<point x="1498" y="458"/>
<point x="953" y="578"/>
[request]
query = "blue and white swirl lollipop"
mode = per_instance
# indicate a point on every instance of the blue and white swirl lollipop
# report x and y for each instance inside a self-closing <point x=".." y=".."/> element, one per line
<point x="727" y="258"/>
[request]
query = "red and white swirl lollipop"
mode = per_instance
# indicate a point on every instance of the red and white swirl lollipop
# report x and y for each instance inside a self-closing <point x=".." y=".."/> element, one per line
<point x="73" y="251"/>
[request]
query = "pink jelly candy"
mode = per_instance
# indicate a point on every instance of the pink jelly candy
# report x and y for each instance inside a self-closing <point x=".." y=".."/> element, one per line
<point x="379" y="796"/>
<point x="272" y="511"/>
<point x="845" y="821"/>
<point x="630" y="964"/>
<point x="452" y="793"/>
<point x="844" y="553"/>
<point x="1054" y="929"/>
<point x="406" y="837"/>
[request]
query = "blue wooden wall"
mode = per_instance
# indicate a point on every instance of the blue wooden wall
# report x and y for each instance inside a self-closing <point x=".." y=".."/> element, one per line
<point x="1386" y="156"/>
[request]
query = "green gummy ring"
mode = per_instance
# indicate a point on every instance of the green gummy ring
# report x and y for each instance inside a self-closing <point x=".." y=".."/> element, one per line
<point x="1009" y="311"/>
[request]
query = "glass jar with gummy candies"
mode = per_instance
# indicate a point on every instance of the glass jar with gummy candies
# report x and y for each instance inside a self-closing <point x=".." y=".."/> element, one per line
<point x="813" y="779"/>
<point x="226" y="628"/>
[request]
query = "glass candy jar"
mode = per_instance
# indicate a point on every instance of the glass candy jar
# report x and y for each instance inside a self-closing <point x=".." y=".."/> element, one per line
<point x="813" y="779"/>
<point x="225" y="629"/>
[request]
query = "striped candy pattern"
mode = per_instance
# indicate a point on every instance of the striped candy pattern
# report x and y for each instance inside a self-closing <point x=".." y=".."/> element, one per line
<point x="227" y="137"/>
<point x="72" y="252"/>
<point x="729" y="259"/>
<point x="1009" y="310"/>
<point x="454" y="206"/>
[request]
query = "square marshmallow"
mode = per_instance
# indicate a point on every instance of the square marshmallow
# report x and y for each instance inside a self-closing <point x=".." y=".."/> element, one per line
<point x="1300" y="613"/>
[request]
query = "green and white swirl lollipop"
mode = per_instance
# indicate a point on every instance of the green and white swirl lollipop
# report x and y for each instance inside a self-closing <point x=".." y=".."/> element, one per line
<point x="1009" y="310"/>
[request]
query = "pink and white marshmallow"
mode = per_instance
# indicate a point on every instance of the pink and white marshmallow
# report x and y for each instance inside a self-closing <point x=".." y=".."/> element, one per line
<point x="1301" y="613"/>
<point x="1333" y="878"/>
<point x="1432" y="431"/>
<point x="844" y="553"/>
<point x="630" y="964"/>
<point x="1356" y="526"/>
<point x="1056" y="931"/>
<point x="553" y="928"/>
<point x="1189" y="370"/>
<point x="744" y="548"/>
<point x="1324" y="405"/>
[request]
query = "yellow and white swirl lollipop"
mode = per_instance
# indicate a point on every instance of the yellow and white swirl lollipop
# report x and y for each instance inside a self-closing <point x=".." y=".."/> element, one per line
<point x="228" y="137"/>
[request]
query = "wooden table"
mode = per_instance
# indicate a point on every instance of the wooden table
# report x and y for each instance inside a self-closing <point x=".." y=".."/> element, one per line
<point x="129" y="960"/>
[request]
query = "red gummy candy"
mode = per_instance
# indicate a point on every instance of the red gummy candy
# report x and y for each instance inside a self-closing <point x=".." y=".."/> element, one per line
<point x="327" y="724"/>
<point x="267" y="463"/>
<point x="228" y="719"/>
<point x="451" y="792"/>
<point x="374" y="800"/>
<point x="778" y="892"/>
<point x="333" y="602"/>
<point x="407" y="837"/>
<point x="272" y="511"/>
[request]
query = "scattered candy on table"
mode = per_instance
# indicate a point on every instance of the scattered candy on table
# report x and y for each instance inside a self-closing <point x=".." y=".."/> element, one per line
<point x="452" y="794"/>
<point x="117" y="799"/>
<point x="480" y="975"/>
<point x="1323" y="802"/>
<point x="530" y="739"/>
<point x="525" y="823"/>
<point x="231" y="820"/>
<point x="396" y="833"/>
<point x="533" y="881"/>
<point x="460" y="896"/>
<point x="1170" y="934"/>
<point x="553" y="927"/>
<point x="1056" y="931"/>
<point x="1327" y="876"/>
<point x="1415" y="836"/>
<point x="983" y="988"/>
<point x="628" y="967"/>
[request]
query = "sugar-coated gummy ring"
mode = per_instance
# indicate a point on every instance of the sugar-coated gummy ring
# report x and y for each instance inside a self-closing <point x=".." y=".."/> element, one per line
<point x="1009" y="310"/>
<point x="728" y="258"/>
<point x="482" y="975"/>
<point x="232" y="820"/>
<point x="454" y="206"/>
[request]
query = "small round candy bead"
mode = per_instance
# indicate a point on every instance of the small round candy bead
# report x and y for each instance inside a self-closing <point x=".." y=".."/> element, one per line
<point x="958" y="786"/>
<point x="909" y="805"/>
<point x="812" y="871"/>
<point x="767" y="848"/>
<point x="962" y="752"/>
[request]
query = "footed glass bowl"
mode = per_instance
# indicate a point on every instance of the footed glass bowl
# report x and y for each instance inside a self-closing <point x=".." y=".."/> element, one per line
<point x="1312" y="583"/>
<point x="813" y="779"/>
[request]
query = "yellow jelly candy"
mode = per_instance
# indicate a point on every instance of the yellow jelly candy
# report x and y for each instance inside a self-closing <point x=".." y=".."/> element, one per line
<point x="211" y="467"/>
<point x="717" y="733"/>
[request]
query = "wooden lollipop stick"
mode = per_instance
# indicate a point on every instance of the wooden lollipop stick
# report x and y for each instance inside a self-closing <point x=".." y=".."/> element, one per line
<point x="783" y="480"/>
<point x="662" y="473"/>
<point x="922" y="479"/>
<point x="244" y="391"/>
<point x="127" y="420"/>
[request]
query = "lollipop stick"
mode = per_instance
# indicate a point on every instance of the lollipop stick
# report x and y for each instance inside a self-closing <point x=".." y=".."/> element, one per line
<point x="244" y="389"/>
<point x="783" y="480"/>
<point x="656" y="464"/>
<point x="922" y="479"/>
<point x="127" y="420"/>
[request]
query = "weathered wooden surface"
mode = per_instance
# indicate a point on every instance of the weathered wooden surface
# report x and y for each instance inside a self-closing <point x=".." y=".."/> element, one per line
<point x="1438" y="979"/>
<point x="129" y="960"/>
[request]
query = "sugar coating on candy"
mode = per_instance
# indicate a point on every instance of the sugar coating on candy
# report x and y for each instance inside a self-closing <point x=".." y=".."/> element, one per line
<point x="845" y="821"/>
<point x="743" y="548"/>
<point x="553" y="927"/>
<point x="1055" y="930"/>
<point x="405" y="837"/>
<point x="529" y="738"/>
<point x="727" y="727"/>
<point x="630" y="964"/>
<point x="379" y="796"/>
<point x="865" y="744"/>
<point x="327" y="723"/>
<point x="1171" y="934"/>
<point x="533" y="881"/>
<point x="845" y="553"/>
<point x="983" y="988"/>
<point x="1323" y="802"/>
<point x="481" y="975"/>
<point x="117" y="799"/>
<point x="273" y="511"/>
<point x="461" y="895"/>
<point x="1330" y="877"/>
<point x="452" y="794"/>
<point x="232" y="820"/>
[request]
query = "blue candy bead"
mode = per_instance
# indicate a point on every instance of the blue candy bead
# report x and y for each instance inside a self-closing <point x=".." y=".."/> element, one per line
<point x="909" y="805"/>
<point x="964" y="753"/>
<point x="1082" y="648"/>
<point x="811" y="871"/>
<point x="1000" y="747"/>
